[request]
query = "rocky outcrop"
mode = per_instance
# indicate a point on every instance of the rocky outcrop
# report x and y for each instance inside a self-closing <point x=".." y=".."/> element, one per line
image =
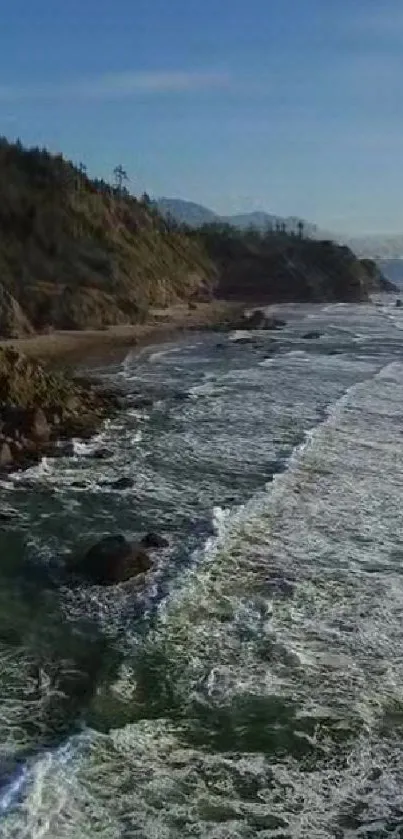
<point x="38" y="408"/>
<point x="258" y="319"/>
<point x="376" y="279"/>
<point x="77" y="253"/>
<point x="13" y="321"/>
<point x="112" y="560"/>
<point x="154" y="541"/>
<point x="278" y="267"/>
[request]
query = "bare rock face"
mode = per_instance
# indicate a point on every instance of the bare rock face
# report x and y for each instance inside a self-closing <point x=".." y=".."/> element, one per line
<point x="112" y="560"/>
<point x="13" y="322"/>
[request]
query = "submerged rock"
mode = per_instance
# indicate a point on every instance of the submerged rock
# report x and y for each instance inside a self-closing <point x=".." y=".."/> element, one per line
<point x="311" y="336"/>
<point x="112" y="560"/>
<point x="122" y="483"/>
<point x="142" y="402"/>
<point x="399" y="303"/>
<point x="259" y="320"/>
<point x="153" y="540"/>
<point x="99" y="454"/>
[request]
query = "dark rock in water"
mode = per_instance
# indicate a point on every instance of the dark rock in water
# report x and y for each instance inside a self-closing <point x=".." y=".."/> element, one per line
<point x="311" y="336"/>
<point x="112" y="560"/>
<point x="244" y="339"/>
<point x="141" y="402"/>
<point x="280" y="587"/>
<point x="8" y="515"/>
<point x="152" y="540"/>
<point x="259" y="320"/>
<point x="122" y="483"/>
<point x="399" y="303"/>
<point x="99" y="454"/>
<point x="181" y="396"/>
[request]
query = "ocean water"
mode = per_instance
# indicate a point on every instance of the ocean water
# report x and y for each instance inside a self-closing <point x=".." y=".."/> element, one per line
<point x="252" y="686"/>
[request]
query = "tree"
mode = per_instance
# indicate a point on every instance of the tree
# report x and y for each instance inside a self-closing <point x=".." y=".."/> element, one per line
<point x="121" y="178"/>
<point x="301" y="227"/>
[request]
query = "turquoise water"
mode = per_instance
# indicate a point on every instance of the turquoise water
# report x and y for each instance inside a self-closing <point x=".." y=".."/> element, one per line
<point x="253" y="686"/>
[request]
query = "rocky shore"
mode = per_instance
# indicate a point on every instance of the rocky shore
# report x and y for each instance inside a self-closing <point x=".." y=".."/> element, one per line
<point x="41" y="410"/>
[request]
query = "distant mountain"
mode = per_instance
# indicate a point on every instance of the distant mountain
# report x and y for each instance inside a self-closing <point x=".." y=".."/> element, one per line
<point x="195" y="215"/>
<point x="376" y="246"/>
<point x="186" y="212"/>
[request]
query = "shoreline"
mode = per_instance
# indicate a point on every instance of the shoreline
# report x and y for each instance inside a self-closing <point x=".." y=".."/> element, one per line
<point x="75" y="347"/>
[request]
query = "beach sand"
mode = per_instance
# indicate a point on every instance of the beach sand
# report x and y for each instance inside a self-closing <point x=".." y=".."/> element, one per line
<point x="72" y="347"/>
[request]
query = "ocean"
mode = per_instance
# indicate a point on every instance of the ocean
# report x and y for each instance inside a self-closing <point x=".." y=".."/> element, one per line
<point x="252" y="686"/>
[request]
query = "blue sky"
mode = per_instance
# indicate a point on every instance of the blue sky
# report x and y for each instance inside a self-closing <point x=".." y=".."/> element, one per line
<point x="293" y="106"/>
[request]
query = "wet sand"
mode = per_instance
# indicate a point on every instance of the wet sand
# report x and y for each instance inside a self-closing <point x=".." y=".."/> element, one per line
<point x="71" y="347"/>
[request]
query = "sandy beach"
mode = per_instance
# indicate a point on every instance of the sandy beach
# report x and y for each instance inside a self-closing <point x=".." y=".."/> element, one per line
<point x="75" y="346"/>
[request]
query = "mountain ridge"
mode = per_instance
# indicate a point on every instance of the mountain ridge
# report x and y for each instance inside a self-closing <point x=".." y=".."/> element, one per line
<point x="375" y="246"/>
<point x="195" y="215"/>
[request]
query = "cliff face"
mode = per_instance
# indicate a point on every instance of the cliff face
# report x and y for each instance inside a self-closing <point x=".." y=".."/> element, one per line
<point x="283" y="268"/>
<point x="76" y="252"/>
<point x="377" y="280"/>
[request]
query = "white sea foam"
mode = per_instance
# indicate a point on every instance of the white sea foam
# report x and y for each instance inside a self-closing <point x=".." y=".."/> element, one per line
<point x="288" y="619"/>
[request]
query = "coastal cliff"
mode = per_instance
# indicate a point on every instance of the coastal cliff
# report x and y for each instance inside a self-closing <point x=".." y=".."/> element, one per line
<point x="78" y="254"/>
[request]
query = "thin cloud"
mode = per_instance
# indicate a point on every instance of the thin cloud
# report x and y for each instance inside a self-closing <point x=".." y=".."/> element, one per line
<point x="385" y="20"/>
<point x="118" y="86"/>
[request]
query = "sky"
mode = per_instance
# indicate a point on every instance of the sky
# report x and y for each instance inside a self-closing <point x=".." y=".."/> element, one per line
<point x="289" y="106"/>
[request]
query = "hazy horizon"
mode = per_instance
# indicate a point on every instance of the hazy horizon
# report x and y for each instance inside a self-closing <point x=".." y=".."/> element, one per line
<point x="293" y="108"/>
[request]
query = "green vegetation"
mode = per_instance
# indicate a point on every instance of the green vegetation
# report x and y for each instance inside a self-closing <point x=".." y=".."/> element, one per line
<point x="76" y="252"/>
<point x="277" y="265"/>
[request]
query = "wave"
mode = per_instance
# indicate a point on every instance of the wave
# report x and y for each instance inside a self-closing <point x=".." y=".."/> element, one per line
<point x="263" y="695"/>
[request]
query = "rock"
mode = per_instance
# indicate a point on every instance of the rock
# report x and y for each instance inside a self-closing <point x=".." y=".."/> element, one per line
<point x="311" y="336"/>
<point x="8" y="515"/>
<point x="99" y="454"/>
<point x="6" y="457"/>
<point x="112" y="560"/>
<point x="153" y="540"/>
<point x="142" y="402"/>
<point x="180" y="396"/>
<point x="39" y="408"/>
<point x="122" y="483"/>
<point x="399" y="303"/>
<point x="259" y="320"/>
<point x="13" y="321"/>
<point x="243" y="339"/>
<point x="37" y="427"/>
